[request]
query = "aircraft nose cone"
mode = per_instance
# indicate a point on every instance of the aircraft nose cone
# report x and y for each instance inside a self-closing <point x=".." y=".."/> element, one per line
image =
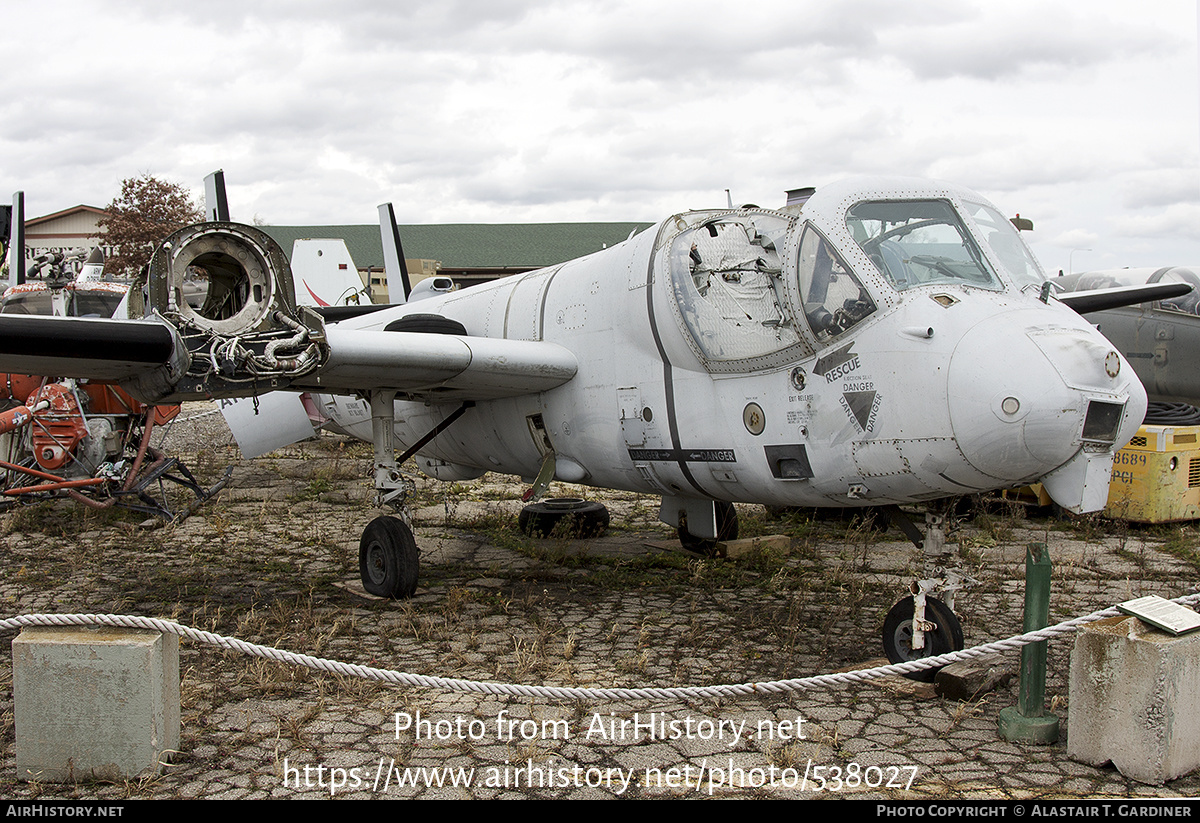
<point x="1018" y="402"/>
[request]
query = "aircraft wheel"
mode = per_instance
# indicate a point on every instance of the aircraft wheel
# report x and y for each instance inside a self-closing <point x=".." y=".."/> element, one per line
<point x="564" y="516"/>
<point x="727" y="529"/>
<point x="427" y="323"/>
<point x="388" y="558"/>
<point x="897" y="635"/>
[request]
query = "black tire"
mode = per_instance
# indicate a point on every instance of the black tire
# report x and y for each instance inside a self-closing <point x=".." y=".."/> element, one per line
<point x="427" y="323"/>
<point x="388" y="559"/>
<point x="897" y="635"/>
<point x="564" y="517"/>
<point x="727" y="529"/>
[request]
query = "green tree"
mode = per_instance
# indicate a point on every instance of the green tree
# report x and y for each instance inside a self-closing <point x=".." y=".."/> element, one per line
<point x="147" y="210"/>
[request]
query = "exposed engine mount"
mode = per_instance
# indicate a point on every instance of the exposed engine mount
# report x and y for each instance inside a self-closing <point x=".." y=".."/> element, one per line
<point x="227" y="289"/>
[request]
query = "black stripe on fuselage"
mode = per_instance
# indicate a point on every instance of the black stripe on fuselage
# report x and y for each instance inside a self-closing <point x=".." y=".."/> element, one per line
<point x="668" y="380"/>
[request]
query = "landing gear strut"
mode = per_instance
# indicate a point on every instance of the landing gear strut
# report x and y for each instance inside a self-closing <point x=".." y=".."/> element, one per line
<point x="388" y="558"/>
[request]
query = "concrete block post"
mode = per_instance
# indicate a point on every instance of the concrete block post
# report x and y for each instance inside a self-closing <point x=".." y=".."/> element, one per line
<point x="1133" y="697"/>
<point x="94" y="703"/>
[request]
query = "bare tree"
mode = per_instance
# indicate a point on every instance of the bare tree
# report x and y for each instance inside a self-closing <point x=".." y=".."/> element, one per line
<point x="147" y="210"/>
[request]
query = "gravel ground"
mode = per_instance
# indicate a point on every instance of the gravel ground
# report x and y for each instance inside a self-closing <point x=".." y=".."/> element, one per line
<point x="274" y="560"/>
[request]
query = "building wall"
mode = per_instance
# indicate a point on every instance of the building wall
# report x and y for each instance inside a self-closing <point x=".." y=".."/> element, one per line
<point x="418" y="270"/>
<point x="74" y="229"/>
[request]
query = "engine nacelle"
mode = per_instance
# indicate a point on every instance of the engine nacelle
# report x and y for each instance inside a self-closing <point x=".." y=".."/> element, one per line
<point x="227" y="290"/>
<point x="224" y="278"/>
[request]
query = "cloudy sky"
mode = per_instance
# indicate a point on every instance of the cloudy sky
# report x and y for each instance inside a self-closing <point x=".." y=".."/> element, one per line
<point x="1081" y="116"/>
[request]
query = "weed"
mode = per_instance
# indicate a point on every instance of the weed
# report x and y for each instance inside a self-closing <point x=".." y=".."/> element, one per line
<point x="1183" y="542"/>
<point x="966" y="709"/>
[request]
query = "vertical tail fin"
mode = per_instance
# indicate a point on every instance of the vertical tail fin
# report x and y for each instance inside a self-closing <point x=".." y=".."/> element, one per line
<point x="325" y="274"/>
<point x="216" y="204"/>
<point x="394" y="266"/>
<point x="16" y="241"/>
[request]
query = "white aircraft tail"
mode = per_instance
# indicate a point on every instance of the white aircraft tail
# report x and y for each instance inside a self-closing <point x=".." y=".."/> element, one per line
<point x="394" y="267"/>
<point x="92" y="270"/>
<point x="216" y="204"/>
<point x="325" y="274"/>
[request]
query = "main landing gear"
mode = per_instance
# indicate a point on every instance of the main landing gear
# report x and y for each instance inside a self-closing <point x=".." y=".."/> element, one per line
<point x="388" y="557"/>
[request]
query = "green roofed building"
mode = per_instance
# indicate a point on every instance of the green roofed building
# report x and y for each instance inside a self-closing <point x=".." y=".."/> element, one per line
<point x="468" y="252"/>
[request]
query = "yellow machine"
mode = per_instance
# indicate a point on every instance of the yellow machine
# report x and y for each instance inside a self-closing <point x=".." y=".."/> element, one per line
<point x="1156" y="478"/>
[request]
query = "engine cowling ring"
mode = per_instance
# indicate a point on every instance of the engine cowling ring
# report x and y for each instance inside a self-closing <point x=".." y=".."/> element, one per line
<point x="241" y="277"/>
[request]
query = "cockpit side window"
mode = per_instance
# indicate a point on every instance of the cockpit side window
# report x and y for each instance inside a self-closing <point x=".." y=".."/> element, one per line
<point x="918" y="242"/>
<point x="78" y="303"/>
<point x="1007" y="245"/>
<point x="834" y="299"/>
<point x="726" y="275"/>
<point x="1188" y="303"/>
<point x="28" y="303"/>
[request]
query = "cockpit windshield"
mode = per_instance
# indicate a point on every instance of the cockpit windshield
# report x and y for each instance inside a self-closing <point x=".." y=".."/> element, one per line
<point x="919" y="242"/>
<point x="78" y="303"/>
<point x="1007" y="245"/>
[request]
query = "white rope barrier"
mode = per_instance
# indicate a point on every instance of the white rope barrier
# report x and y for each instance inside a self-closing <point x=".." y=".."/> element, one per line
<point x="556" y="692"/>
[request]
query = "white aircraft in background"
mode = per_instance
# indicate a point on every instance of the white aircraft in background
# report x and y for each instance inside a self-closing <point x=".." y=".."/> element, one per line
<point x="887" y="341"/>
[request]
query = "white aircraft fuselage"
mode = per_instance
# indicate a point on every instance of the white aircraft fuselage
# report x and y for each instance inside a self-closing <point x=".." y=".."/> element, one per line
<point x="890" y="341"/>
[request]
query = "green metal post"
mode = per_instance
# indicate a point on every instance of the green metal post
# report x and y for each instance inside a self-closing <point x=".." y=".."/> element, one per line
<point x="1029" y="722"/>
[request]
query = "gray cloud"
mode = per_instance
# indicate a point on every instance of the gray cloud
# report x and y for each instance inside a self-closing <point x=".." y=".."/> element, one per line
<point x="473" y="110"/>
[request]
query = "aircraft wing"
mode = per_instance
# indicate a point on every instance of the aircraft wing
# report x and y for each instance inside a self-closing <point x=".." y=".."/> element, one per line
<point x="152" y="360"/>
<point x="100" y="349"/>
<point x="439" y="365"/>
<point x="1091" y="300"/>
<point x="244" y="335"/>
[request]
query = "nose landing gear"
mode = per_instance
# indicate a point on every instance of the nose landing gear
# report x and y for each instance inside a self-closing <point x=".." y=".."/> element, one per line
<point x="909" y="636"/>
<point x="922" y="626"/>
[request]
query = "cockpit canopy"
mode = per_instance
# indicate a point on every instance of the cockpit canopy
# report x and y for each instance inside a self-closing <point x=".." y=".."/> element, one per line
<point x="754" y="287"/>
<point x="727" y="277"/>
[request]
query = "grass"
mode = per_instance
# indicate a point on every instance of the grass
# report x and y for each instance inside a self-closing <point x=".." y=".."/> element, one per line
<point x="1181" y="541"/>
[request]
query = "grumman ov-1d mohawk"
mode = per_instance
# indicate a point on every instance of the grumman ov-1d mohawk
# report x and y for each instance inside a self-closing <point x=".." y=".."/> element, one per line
<point x="888" y="341"/>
